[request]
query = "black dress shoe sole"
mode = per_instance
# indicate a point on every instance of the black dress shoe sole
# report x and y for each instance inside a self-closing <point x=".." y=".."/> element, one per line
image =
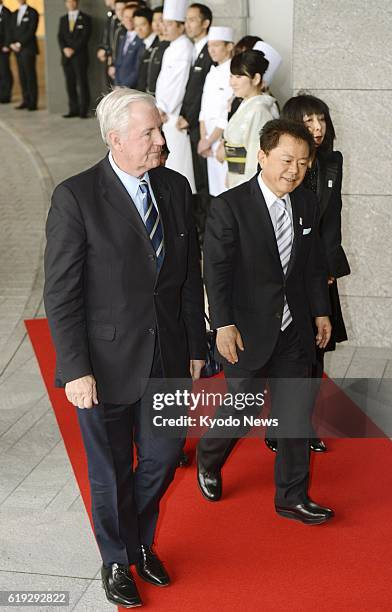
<point x="150" y="581"/>
<point x="119" y="602"/>
<point x="307" y="521"/>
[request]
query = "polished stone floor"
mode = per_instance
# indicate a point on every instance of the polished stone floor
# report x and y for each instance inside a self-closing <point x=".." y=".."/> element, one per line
<point x="45" y="536"/>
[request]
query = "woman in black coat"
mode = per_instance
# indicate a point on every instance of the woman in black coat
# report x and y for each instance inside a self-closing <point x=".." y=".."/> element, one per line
<point x="324" y="178"/>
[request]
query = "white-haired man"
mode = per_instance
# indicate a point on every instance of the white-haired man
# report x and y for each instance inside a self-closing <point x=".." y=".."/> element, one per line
<point x="124" y="299"/>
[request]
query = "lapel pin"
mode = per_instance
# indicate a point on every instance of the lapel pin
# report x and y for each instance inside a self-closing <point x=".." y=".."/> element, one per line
<point x="300" y="220"/>
<point x="330" y="183"/>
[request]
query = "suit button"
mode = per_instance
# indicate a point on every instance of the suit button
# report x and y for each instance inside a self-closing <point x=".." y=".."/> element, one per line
<point x="278" y="315"/>
<point x="156" y="293"/>
<point x="151" y="331"/>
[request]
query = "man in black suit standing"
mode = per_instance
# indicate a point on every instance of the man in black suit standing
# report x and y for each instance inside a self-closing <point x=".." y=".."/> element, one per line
<point x="6" y="80"/>
<point x="73" y="36"/>
<point x="267" y="282"/>
<point x="197" y="23"/>
<point x="124" y="300"/>
<point x="25" y="46"/>
<point x="104" y="51"/>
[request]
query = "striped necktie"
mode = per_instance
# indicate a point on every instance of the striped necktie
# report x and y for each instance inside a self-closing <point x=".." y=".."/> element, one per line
<point x="283" y="234"/>
<point x="152" y="222"/>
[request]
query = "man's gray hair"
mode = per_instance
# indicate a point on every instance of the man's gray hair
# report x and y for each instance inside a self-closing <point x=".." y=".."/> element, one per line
<point x="113" y="110"/>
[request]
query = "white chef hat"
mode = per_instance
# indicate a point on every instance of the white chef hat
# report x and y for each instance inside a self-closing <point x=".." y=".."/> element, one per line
<point x="175" y="10"/>
<point x="272" y="56"/>
<point x="221" y="33"/>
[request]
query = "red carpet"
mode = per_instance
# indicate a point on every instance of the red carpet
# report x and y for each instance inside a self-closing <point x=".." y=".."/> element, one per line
<point x="238" y="555"/>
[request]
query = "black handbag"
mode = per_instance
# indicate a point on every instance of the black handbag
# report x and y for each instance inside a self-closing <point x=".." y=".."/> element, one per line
<point x="212" y="366"/>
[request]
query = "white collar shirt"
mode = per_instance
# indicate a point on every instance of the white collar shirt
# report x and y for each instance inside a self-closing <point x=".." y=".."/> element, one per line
<point x="197" y="47"/>
<point x="270" y="199"/>
<point x="149" y="40"/>
<point x="21" y="11"/>
<point x="131" y="184"/>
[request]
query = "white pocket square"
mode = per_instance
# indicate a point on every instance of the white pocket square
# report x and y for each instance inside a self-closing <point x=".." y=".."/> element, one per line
<point x="306" y="230"/>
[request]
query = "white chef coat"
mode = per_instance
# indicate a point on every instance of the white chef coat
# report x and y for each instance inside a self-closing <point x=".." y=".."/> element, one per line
<point x="169" y="94"/>
<point x="214" y="108"/>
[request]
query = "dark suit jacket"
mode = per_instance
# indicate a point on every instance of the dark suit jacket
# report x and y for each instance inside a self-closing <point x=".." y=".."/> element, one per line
<point x="244" y="277"/>
<point x="127" y="66"/>
<point x="78" y="39"/>
<point x="329" y="187"/>
<point x="154" y="67"/>
<point x="190" y="109"/>
<point x="104" y="300"/>
<point x="145" y="60"/>
<point x="5" y="28"/>
<point x="329" y="193"/>
<point x="25" y="32"/>
<point x="110" y="27"/>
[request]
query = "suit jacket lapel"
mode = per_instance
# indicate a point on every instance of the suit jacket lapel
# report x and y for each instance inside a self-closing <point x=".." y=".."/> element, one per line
<point x="296" y="210"/>
<point x="117" y="196"/>
<point x="262" y="215"/>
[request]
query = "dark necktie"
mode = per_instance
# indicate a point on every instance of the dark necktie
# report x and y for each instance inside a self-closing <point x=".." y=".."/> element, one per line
<point x="152" y="222"/>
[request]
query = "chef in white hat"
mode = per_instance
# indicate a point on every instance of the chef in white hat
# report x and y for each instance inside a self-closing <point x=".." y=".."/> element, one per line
<point x="273" y="57"/>
<point x="214" y="105"/>
<point x="171" y="84"/>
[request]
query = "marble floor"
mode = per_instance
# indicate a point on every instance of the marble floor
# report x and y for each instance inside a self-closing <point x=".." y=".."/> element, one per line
<point x="45" y="536"/>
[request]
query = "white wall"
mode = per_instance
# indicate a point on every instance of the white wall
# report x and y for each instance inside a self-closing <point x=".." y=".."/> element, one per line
<point x="272" y="20"/>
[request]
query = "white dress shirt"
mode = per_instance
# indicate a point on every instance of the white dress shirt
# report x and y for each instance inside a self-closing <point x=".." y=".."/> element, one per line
<point x="197" y="47"/>
<point x="21" y="11"/>
<point x="270" y="199"/>
<point x="149" y="40"/>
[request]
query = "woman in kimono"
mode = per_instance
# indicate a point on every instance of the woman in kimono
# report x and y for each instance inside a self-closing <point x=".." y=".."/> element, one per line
<point x="241" y="136"/>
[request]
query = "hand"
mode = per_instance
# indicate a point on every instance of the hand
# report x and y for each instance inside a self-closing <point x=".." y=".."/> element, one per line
<point x="195" y="367"/>
<point x="182" y="123"/>
<point x="68" y="52"/>
<point x="220" y="154"/>
<point x="203" y="145"/>
<point x="227" y="341"/>
<point x="101" y="55"/>
<point x="5" y="49"/>
<point x="82" y="392"/>
<point x="16" y="47"/>
<point x="331" y="280"/>
<point x="112" y="72"/>
<point x="324" y="329"/>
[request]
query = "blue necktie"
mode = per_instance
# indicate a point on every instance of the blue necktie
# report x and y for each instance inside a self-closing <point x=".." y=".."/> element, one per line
<point x="152" y="222"/>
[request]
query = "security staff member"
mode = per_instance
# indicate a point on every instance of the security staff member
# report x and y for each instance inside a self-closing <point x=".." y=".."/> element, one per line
<point x="6" y="79"/>
<point x="104" y="50"/>
<point x="24" y="25"/>
<point x="73" y="36"/>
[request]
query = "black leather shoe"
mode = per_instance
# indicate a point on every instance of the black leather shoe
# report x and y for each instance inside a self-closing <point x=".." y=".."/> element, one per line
<point x="184" y="460"/>
<point x="120" y="587"/>
<point x="210" y="484"/>
<point x="21" y="106"/>
<point x="317" y="445"/>
<point x="272" y="444"/>
<point x="70" y="115"/>
<point x="309" y="513"/>
<point x="150" y="567"/>
<point x="32" y="108"/>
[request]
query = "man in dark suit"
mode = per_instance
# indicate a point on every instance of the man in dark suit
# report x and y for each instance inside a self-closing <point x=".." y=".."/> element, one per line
<point x="267" y="284"/>
<point x="104" y="51"/>
<point x="128" y="53"/>
<point x="142" y="19"/>
<point x="6" y="80"/>
<point x="73" y="36"/>
<point x="155" y="63"/>
<point x="124" y="300"/>
<point x="25" y="46"/>
<point x="197" y="24"/>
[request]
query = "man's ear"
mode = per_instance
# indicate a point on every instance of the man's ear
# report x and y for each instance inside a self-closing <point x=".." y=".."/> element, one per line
<point x="114" y="140"/>
<point x="261" y="156"/>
